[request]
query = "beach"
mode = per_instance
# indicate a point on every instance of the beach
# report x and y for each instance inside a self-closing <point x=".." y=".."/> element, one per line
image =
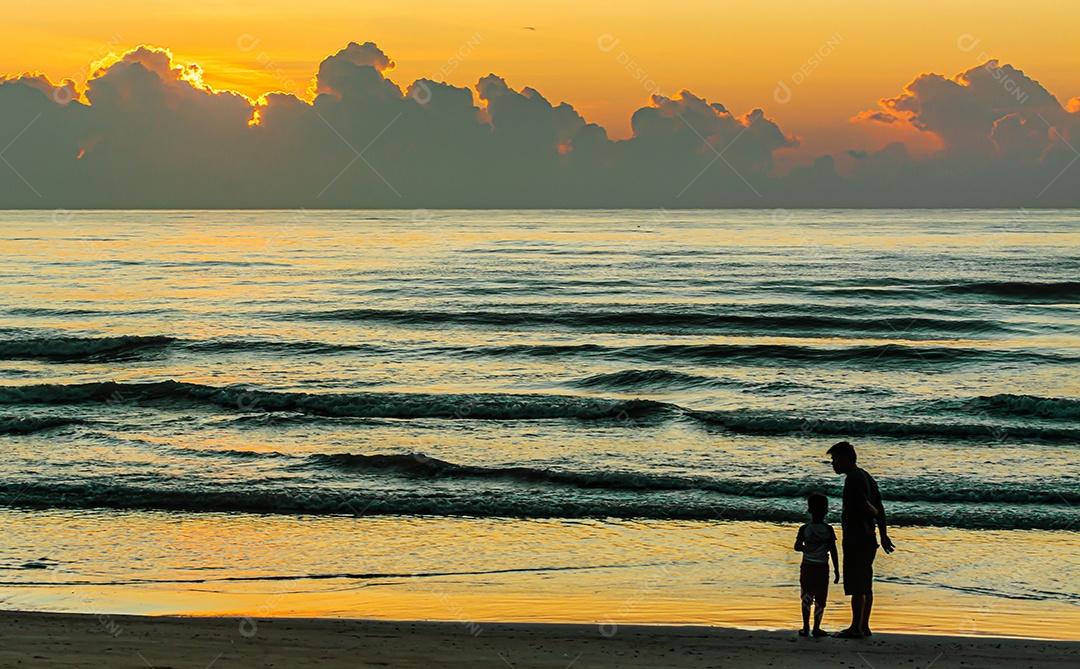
<point x="63" y="640"/>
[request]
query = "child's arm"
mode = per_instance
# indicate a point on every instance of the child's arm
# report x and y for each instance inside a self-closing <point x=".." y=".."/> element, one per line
<point x="799" y="541"/>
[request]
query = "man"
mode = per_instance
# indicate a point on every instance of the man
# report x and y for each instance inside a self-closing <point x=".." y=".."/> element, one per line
<point x="862" y="511"/>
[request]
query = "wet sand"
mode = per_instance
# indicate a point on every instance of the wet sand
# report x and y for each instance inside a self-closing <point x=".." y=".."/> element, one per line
<point x="86" y="640"/>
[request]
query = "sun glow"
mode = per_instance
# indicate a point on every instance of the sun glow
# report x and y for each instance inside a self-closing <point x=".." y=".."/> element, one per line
<point x="193" y="74"/>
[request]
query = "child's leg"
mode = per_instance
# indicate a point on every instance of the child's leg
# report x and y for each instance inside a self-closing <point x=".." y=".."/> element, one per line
<point x="821" y="597"/>
<point x="807" y="597"/>
<point x="819" y="611"/>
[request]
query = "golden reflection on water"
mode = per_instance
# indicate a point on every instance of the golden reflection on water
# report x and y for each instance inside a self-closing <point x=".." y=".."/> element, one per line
<point x="473" y="570"/>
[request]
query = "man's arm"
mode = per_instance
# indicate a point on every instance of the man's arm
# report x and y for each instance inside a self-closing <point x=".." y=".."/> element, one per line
<point x="799" y="541"/>
<point x="882" y="525"/>
<point x="857" y="491"/>
<point x="871" y="509"/>
<point x="835" y="556"/>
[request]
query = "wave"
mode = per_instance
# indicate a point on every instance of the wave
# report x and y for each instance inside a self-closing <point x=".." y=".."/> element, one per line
<point x="776" y="423"/>
<point x="1025" y="405"/>
<point x="668" y="379"/>
<point x="507" y="407"/>
<point x="678" y="505"/>
<point x="481" y="406"/>
<point x="1032" y="596"/>
<point x="352" y="576"/>
<point x="82" y="349"/>
<point x="15" y="425"/>
<point x="749" y="354"/>
<point x="650" y="379"/>
<point x="894" y="287"/>
<point x="1036" y="291"/>
<point x="298" y="347"/>
<point x="417" y="465"/>
<point x="46" y="311"/>
<point x="772" y="354"/>
<point x="662" y="321"/>
<point x="424" y="467"/>
<point x="70" y="349"/>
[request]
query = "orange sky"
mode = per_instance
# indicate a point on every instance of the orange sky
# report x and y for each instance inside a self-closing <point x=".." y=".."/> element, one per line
<point x="733" y="52"/>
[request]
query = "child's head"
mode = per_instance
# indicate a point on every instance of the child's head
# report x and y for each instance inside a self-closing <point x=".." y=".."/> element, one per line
<point x="818" y="505"/>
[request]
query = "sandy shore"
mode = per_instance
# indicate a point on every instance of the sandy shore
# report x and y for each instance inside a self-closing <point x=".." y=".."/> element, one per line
<point x="83" y="640"/>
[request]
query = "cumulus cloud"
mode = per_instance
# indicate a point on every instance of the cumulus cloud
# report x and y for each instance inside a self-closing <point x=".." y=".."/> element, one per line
<point x="962" y="111"/>
<point x="356" y="73"/>
<point x="148" y="132"/>
<point x="1006" y="140"/>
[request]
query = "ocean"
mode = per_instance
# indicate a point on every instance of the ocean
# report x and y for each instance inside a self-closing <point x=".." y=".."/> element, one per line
<point x="536" y="415"/>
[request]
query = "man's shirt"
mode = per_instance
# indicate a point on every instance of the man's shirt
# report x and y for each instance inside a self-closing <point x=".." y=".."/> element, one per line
<point x="855" y="520"/>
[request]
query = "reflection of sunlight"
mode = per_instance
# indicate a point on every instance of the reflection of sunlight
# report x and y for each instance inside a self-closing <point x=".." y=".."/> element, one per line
<point x="725" y="573"/>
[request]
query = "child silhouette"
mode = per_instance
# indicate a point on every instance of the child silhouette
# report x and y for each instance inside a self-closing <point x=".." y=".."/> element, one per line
<point x="816" y="541"/>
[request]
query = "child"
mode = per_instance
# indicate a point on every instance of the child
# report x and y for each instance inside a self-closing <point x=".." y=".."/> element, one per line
<point x="816" y="541"/>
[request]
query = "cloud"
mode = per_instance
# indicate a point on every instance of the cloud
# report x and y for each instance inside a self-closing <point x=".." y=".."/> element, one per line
<point x="693" y="125"/>
<point x="1006" y="140"/>
<point x="148" y="132"/>
<point x="877" y="116"/>
<point x="962" y="110"/>
<point x="62" y="93"/>
<point x="356" y="73"/>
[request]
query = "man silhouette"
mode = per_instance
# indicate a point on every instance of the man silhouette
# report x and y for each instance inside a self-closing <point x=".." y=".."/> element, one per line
<point x="862" y="511"/>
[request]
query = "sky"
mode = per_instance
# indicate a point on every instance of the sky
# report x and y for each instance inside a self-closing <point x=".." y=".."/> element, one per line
<point x="816" y="70"/>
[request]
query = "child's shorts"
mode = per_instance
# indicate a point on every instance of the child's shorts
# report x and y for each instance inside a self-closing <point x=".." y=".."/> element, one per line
<point x="814" y="579"/>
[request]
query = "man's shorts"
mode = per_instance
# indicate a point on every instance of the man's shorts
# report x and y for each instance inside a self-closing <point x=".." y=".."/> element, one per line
<point x="814" y="580"/>
<point x="859" y="568"/>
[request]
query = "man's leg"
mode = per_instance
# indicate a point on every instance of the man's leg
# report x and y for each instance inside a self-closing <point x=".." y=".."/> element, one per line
<point x="865" y="626"/>
<point x="854" y="585"/>
<point x="858" y="607"/>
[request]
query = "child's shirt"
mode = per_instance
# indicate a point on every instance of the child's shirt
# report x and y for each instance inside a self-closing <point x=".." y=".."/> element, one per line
<point x="817" y="539"/>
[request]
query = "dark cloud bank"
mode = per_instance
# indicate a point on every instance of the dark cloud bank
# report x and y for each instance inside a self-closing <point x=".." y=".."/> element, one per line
<point x="144" y="135"/>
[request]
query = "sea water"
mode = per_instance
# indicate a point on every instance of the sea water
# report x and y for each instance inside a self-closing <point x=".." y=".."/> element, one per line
<point x="537" y="415"/>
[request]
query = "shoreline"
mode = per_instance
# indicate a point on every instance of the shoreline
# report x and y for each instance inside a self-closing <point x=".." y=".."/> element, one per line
<point x="89" y="640"/>
<point x="724" y="574"/>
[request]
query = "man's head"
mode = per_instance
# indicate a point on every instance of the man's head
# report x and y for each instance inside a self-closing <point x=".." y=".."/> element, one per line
<point x="843" y="457"/>
<point x="818" y="505"/>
